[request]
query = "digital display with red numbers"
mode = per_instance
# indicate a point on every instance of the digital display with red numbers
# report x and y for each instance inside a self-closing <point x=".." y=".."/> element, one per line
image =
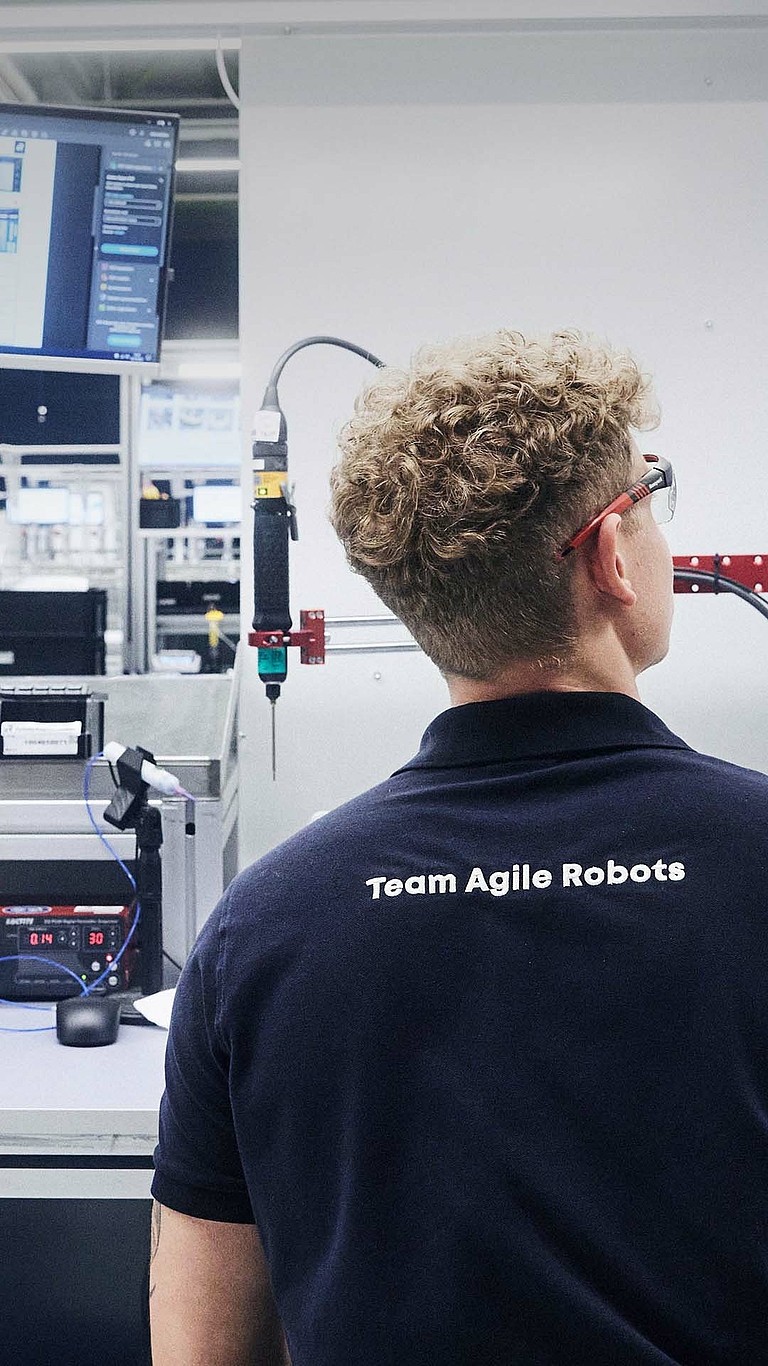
<point x="37" y="939"/>
<point x="48" y="949"/>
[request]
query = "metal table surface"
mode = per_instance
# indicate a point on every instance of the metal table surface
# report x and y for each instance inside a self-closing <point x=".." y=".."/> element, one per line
<point x="190" y="724"/>
<point x="77" y="1129"/>
<point x="77" y="1102"/>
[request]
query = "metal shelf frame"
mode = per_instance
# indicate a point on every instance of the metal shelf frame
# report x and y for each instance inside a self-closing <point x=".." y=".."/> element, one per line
<point x="74" y="473"/>
<point x="147" y="542"/>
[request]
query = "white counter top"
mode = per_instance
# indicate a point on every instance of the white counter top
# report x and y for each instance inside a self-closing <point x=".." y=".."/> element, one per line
<point x="56" y="1099"/>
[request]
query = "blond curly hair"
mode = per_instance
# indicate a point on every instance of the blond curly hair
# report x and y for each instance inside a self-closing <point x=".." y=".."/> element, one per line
<point x="461" y="477"/>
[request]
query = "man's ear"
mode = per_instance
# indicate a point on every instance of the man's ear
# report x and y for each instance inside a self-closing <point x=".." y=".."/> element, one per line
<point x="606" y="565"/>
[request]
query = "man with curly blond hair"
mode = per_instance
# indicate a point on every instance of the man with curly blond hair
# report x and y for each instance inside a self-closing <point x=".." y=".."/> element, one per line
<point x="472" y="1071"/>
<point x="462" y="479"/>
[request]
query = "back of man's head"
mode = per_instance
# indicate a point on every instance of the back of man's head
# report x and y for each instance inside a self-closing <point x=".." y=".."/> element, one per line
<point x="461" y="478"/>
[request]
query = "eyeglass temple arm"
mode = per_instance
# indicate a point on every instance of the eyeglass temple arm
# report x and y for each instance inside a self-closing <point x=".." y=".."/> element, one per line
<point x="619" y="505"/>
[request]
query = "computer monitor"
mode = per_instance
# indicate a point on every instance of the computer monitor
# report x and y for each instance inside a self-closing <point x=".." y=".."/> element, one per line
<point x="217" y="504"/>
<point x="189" y="424"/>
<point x="56" y="507"/>
<point x="86" y="201"/>
<point x="40" y="507"/>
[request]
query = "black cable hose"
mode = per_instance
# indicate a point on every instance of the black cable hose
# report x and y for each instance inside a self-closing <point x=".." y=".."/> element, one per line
<point x="319" y="341"/>
<point x="724" y="585"/>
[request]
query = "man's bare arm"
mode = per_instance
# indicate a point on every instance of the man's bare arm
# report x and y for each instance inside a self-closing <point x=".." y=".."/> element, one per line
<point x="210" y="1299"/>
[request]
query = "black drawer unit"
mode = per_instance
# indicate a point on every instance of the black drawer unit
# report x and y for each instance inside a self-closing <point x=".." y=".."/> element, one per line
<point x="52" y="633"/>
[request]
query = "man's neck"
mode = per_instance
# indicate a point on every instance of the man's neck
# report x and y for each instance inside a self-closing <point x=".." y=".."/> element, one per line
<point x="597" y="675"/>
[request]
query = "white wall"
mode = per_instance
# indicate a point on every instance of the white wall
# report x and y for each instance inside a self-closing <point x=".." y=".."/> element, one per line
<point x="398" y="189"/>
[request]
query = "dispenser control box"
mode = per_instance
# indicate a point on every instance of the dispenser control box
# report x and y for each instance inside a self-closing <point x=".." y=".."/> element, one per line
<point x="85" y="939"/>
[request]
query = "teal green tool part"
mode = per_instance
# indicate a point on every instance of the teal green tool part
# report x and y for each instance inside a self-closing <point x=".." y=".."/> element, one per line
<point x="273" y="664"/>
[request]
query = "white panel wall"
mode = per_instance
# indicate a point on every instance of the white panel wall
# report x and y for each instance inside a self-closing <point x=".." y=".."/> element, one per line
<point x="406" y="188"/>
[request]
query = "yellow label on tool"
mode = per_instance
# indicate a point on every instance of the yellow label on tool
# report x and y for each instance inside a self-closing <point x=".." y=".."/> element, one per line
<point x="270" y="484"/>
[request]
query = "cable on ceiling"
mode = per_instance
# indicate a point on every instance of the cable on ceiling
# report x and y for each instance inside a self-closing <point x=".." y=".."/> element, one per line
<point x="224" y="74"/>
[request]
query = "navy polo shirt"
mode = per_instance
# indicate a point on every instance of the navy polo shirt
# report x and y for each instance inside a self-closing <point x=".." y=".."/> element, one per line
<point x="484" y="1053"/>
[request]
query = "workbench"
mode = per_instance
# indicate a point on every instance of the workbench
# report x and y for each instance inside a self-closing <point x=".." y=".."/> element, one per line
<point x="77" y="1130"/>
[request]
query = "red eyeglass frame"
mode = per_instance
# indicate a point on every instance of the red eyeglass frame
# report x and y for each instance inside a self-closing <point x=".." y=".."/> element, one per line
<point x="660" y="477"/>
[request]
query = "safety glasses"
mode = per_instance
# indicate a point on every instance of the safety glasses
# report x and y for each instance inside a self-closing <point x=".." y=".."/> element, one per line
<point x="658" y="484"/>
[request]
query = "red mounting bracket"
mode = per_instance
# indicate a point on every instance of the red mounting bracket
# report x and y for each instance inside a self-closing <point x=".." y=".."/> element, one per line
<point x="751" y="571"/>
<point x="310" y="638"/>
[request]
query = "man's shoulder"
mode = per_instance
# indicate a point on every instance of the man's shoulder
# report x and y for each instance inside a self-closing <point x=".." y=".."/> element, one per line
<point x="693" y="789"/>
<point x="314" y="851"/>
<point x="708" y="773"/>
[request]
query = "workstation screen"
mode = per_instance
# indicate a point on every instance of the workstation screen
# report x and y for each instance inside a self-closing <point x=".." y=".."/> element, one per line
<point x="216" y="504"/>
<point x="85" y="215"/>
<point x="56" y="507"/>
<point x="190" y="425"/>
<point x="40" y="507"/>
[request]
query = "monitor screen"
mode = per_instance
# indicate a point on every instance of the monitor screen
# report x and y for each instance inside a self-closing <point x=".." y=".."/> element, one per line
<point x="188" y="424"/>
<point x="216" y="504"/>
<point x="56" y="507"/>
<point x="40" y="507"/>
<point x="85" y="215"/>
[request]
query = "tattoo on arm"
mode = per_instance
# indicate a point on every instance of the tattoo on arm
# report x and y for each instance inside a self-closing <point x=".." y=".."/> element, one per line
<point x="157" y="1216"/>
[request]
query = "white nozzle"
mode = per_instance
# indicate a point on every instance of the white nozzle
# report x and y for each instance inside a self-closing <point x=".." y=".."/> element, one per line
<point x="158" y="778"/>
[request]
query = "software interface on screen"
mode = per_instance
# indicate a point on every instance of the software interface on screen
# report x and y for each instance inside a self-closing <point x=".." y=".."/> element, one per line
<point x="189" y="425"/>
<point x="84" y="221"/>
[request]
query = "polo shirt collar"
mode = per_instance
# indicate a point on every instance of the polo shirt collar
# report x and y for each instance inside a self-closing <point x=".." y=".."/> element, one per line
<point x="540" y="725"/>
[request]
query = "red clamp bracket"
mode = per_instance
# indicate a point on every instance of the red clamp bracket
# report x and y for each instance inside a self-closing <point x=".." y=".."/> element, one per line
<point x="310" y="638"/>
<point x="751" y="571"/>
